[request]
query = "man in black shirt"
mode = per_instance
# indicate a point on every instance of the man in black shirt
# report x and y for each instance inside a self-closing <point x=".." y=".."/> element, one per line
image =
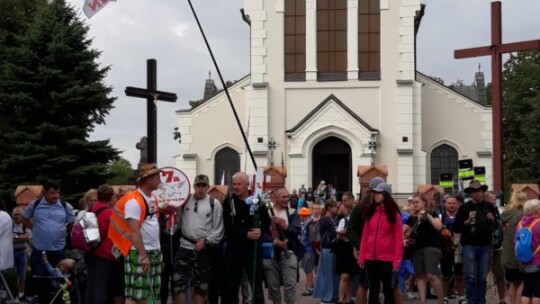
<point x="475" y="222"/>
<point x="241" y="234"/>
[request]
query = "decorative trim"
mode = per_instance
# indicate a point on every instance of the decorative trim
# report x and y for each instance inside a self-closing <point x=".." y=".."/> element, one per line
<point x="189" y="156"/>
<point x="484" y="153"/>
<point x="405" y="151"/>
<point x="295" y="76"/>
<point x="404" y="82"/>
<point x="259" y="85"/>
<point x="339" y="76"/>
<point x="260" y="153"/>
<point x="369" y="75"/>
<point x="339" y="103"/>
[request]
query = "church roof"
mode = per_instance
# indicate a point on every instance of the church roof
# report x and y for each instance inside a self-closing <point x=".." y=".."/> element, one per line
<point x="338" y="102"/>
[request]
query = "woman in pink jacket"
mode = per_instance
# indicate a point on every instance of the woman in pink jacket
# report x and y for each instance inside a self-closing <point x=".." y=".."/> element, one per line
<point x="381" y="247"/>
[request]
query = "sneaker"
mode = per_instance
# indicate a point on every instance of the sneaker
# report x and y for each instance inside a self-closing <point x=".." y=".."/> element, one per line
<point x="307" y="292"/>
<point x="410" y="296"/>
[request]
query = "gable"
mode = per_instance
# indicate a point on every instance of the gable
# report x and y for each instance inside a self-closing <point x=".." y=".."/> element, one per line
<point x="333" y="111"/>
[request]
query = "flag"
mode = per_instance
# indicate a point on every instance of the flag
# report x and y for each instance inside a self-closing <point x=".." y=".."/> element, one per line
<point x="223" y="178"/>
<point x="91" y="7"/>
<point x="246" y="132"/>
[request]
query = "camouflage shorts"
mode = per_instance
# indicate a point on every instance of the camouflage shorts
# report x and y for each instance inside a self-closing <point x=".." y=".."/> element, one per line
<point x="192" y="269"/>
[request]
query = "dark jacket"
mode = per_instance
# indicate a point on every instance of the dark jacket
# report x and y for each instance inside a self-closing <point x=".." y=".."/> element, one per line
<point x="238" y="222"/>
<point x="356" y="224"/>
<point x="481" y="233"/>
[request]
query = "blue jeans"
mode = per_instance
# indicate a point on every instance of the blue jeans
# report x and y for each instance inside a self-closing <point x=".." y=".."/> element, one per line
<point x="476" y="260"/>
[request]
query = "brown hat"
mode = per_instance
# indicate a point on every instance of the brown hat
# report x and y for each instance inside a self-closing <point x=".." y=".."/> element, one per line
<point x="475" y="185"/>
<point x="146" y="170"/>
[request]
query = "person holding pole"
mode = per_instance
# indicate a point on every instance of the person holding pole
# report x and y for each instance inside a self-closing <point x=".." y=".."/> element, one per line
<point x="244" y="242"/>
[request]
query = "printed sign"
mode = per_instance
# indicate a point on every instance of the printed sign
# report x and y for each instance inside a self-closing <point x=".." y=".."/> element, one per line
<point x="175" y="187"/>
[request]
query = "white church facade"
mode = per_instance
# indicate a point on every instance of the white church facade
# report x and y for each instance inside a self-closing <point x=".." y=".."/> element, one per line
<point x="334" y="83"/>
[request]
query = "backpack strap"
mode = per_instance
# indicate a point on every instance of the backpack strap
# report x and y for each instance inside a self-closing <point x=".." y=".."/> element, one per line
<point x="97" y="212"/>
<point x="36" y="203"/>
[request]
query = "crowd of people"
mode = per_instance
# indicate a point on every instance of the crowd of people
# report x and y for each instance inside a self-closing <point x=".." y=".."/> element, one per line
<point x="351" y="249"/>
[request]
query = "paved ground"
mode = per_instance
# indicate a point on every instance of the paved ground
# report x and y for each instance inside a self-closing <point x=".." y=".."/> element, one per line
<point x="491" y="295"/>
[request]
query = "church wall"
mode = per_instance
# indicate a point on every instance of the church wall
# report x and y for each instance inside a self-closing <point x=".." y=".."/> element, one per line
<point x="208" y="129"/>
<point x="457" y="121"/>
<point x="373" y="101"/>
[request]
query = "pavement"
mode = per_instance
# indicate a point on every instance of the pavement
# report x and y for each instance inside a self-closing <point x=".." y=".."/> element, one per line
<point x="491" y="295"/>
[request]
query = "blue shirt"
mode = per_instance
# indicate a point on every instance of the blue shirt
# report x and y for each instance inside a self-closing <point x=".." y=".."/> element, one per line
<point x="50" y="221"/>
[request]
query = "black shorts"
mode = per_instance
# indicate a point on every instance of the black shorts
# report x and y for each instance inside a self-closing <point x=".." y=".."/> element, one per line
<point x="513" y="275"/>
<point x="531" y="281"/>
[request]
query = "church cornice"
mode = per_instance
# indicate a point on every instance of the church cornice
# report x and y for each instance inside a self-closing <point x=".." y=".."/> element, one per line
<point x="329" y="99"/>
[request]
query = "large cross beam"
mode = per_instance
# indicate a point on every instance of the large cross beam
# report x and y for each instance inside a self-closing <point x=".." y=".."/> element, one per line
<point x="152" y="96"/>
<point x="495" y="50"/>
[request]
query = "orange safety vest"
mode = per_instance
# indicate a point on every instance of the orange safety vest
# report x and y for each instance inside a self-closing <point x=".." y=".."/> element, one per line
<point x="119" y="231"/>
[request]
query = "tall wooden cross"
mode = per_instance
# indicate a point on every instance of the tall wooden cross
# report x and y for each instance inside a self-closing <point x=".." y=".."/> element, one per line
<point x="495" y="50"/>
<point x="152" y="96"/>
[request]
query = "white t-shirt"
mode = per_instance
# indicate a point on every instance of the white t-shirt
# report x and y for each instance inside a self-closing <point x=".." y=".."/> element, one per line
<point x="150" y="226"/>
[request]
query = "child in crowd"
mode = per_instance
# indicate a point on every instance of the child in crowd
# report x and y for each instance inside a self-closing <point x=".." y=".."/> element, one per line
<point x="63" y="270"/>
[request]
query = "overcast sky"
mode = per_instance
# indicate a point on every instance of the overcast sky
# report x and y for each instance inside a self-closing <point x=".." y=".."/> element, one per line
<point x="128" y="32"/>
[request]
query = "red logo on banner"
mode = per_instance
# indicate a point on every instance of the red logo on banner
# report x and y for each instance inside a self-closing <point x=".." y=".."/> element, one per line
<point x="175" y="187"/>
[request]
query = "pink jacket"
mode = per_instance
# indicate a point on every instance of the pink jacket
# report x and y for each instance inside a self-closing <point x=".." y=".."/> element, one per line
<point x="382" y="240"/>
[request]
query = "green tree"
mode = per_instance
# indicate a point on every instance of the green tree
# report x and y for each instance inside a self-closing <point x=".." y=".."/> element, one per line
<point x="521" y="114"/>
<point x="437" y="79"/>
<point x="120" y="172"/>
<point x="52" y="95"/>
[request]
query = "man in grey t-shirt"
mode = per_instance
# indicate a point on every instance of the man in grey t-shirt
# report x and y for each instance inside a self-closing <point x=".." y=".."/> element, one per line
<point x="201" y="220"/>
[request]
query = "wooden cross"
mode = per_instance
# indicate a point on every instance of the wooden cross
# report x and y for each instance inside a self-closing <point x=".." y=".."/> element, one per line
<point x="272" y="145"/>
<point x="152" y="95"/>
<point x="495" y="50"/>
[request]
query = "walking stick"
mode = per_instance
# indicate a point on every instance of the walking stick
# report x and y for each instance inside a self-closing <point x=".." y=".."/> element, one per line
<point x="254" y="272"/>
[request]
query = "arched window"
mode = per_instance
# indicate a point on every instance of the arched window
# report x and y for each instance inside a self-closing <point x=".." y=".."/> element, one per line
<point x="332" y="39"/>
<point x="369" y="39"/>
<point x="444" y="159"/>
<point x="226" y="164"/>
<point x="295" y="40"/>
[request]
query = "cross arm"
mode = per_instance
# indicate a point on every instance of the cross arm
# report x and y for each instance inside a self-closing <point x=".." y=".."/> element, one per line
<point x="144" y="93"/>
<point x="472" y="52"/>
<point x="520" y="46"/>
<point x="503" y="48"/>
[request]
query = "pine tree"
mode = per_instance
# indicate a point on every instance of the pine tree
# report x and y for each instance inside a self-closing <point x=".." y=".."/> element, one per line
<point x="52" y="94"/>
<point x="521" y="114"/>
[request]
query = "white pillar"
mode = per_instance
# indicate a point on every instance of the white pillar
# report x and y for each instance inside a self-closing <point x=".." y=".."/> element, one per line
<point x="311" y="40"/>
<point x="352" y="39"/>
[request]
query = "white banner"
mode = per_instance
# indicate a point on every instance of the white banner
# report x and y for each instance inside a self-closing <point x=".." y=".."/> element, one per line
<point x="175" y="187"/>
<point x="93" y="6"/>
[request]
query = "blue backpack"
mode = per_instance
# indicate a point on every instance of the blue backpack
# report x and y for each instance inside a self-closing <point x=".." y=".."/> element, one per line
<point x="523" y="242"/>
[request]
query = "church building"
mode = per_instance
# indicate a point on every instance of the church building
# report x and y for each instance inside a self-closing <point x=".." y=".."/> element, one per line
<point x="334" y="84"/>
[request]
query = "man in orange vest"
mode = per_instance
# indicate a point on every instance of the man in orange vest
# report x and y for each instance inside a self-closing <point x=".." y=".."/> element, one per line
<point x="134" y="230"/>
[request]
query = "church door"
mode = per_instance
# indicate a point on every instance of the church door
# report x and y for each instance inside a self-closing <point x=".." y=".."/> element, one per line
<point x="332" y="163"/>
<point x="226" y="164"/>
